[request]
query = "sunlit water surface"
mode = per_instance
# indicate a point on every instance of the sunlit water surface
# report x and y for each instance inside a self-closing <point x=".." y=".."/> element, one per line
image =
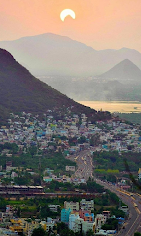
<point x="114" y="106"/>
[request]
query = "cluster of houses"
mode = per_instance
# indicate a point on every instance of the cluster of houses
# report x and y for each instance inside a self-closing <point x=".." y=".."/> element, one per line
<point x="12" y="226"/>
<point x="27" y="130"/>
<point x="49" y="176"/>
<point x="54" y="133"/>
<point x="11" y="172"/>
<point x="78" y="216"/>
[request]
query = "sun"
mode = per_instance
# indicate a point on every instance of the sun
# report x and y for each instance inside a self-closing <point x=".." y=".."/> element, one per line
<point x="67" y="12"/>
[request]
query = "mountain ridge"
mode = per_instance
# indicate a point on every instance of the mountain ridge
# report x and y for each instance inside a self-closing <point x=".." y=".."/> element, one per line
<point x="21" y="91"/>
<point x="50" y="54"/>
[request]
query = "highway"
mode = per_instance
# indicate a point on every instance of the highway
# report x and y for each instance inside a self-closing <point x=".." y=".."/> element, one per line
<point x="84" y="163"/>
<point x="134" y="204"/>
<point x="85" y="170"/>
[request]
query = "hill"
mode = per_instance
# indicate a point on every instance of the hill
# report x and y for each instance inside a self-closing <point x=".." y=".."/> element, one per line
<point x="120" y="83"/>
<point x="50" y="54"/>
<point x="21" y="91"/>
<point x="125" y="71"/>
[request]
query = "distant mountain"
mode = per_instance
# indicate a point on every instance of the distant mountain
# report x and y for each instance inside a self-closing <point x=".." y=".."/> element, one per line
<point x="122" y="82"/>
<point x="50" y="54"/>
<point x="20" y="91"/>
<point x="125" y="71"/>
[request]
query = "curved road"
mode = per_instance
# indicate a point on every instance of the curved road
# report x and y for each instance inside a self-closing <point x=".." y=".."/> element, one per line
<point x="85" y="170"/>
<point x="134" y="205"/>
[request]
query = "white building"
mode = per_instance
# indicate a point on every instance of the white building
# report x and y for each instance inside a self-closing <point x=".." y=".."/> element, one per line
<point x="72" y="219"/>
<point x="102" y="232"/>
<point x="100" y="220"/>
<point x="54" y="208"/>
<point x="86" y="225"/>
<point x="87" y="205"/>
<point x="74" y="206"/>
<point x="78" y="225"/>
<point x="124" y="208"/>
<point x="47" y="225"/>
<point x="70" y="168"/>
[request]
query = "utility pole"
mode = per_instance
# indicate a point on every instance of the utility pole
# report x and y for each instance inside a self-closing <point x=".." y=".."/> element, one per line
<point x="119" y="203"/>
<point x="39" y="167"/>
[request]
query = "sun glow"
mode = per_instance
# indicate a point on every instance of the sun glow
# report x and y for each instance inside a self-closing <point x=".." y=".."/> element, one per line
<point x="67" y="12"/>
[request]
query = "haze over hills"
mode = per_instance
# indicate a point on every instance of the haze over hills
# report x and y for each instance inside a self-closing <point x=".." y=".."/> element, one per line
<point x="124" y="72"/>
<point x="122" y="82"/>
<point x="79" y="71"/>
<point x="21" y="91"/>
<point x="50" y="54"/>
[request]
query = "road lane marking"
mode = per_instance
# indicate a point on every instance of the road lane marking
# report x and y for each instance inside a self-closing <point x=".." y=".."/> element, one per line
<point x="132" y="226"/>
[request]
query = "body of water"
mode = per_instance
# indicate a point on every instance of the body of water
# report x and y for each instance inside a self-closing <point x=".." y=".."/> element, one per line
<point x="114" y="106"/>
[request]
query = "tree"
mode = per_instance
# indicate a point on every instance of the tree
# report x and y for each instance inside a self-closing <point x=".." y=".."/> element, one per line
<point x="22" y="180"/>
<point x="137" y="234"/>
<point x="130" y="147"/>
<point x="11" y="146"/>
<point x="114" y="197"/>
<point x="95" y="140"/>
<point x="89" y="233"/>
<point x="39" y="232"/>
<point x="61" y="226"/>
<point x="45" y="212"/>
<point x="36" y="179"/>
<point x="3" y="203"/>
<point x="82" y="139"/>
<point x="110" y="224"/>
<point x="111" y="178"/>
<point x="58" y="210"/>
<point x="33" y="150"/>
<point x="19" y="212"/>
<point x="6" y="181"/>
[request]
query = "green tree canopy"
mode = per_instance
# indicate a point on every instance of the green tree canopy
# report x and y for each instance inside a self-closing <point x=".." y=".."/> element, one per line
<point x="39" y="232"/>
<point x="137" y="234"/>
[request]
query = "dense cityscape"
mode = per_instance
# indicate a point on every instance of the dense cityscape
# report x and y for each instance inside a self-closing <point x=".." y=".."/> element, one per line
<point x="58" y="198"/>
<point x="70" y="118"/>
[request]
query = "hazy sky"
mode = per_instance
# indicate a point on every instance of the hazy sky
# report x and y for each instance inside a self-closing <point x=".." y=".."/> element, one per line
<point x="101" y="24"/>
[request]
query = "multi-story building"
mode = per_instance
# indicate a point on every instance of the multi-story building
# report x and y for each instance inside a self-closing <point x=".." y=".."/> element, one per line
<point x="78" y="225"/>
<point x="7" y="232"/>
<point x="86" y="226"/>
<point x="54" y="208"/>
<point x="83" y="226"/>
<point x="83" y="212"/>
<point x="86" y="215"/>
<point x="72" y="219"/>
<point x="74" y="206"/>
<point x="16" y="225"/>
<point x="89" y="217"/>
<point x="28" y="227"/>
<point x="87" y="205"/>
<point x="107" y="214"/>
<point x="65" y="213"/>
<point x="70" y="168"/>
<point x="139" y="173"/>
<point x="100" y="220"/>
<point x="47" y="225"/>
